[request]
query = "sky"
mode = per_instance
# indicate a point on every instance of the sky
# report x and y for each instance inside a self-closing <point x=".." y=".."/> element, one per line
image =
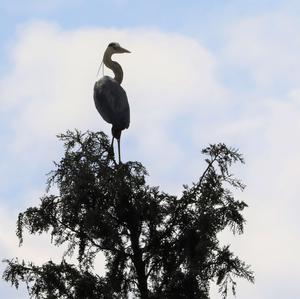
<point x="200" y="72"/>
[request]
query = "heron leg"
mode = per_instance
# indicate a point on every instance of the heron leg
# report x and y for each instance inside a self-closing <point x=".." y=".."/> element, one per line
<point x="112" y="145"/>
<point x="112" y="142"/>
<point x="119" y="150"/>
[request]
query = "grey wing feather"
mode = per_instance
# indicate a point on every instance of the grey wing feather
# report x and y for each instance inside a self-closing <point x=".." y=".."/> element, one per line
<point x="112" y="103"/>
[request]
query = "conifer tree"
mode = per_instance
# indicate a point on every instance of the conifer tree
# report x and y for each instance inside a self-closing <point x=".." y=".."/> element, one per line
<point x="156" y="245"/>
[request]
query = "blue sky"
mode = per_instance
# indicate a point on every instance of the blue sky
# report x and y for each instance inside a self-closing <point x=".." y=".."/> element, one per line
<point x="201" y="19"/>
<point x="200" y="72"/>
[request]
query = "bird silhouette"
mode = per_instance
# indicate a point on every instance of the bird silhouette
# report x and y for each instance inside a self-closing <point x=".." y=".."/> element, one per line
<point x="110" y="98"/>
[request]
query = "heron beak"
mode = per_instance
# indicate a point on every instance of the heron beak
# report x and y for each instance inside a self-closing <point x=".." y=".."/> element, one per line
<point x="122" y="50"/>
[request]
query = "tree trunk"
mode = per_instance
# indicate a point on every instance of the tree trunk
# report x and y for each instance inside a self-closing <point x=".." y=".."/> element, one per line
<point x="139" y="265"/>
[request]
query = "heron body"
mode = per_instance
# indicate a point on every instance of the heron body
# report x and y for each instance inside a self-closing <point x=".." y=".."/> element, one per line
<point x="109" y="96"/>
<point x="112" y="104"/>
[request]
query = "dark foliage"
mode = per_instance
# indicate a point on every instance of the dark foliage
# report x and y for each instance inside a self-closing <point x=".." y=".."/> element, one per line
<point x="156" y="245"/>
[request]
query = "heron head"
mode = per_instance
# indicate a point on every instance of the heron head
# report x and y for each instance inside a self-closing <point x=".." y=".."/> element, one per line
<point x="116" y="48"/>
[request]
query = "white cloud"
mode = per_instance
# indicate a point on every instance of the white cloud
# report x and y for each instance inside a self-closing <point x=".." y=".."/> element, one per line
<point x="178" y="105"/>
<point x="50" y="87"/>
<point x="268" y="127"/>
<point x="267" y="46"/>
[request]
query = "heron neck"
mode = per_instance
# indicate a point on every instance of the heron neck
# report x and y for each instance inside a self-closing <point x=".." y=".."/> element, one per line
<point x="114" y="66"/>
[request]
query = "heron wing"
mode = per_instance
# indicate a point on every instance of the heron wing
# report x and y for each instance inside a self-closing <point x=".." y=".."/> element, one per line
<point x="111" y="102"/>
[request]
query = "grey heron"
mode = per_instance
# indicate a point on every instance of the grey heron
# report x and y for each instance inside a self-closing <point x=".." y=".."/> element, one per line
<point x="110" y="98"/>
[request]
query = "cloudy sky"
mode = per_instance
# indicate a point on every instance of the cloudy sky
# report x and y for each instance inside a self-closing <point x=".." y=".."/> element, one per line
<point x="200" y="72"/>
